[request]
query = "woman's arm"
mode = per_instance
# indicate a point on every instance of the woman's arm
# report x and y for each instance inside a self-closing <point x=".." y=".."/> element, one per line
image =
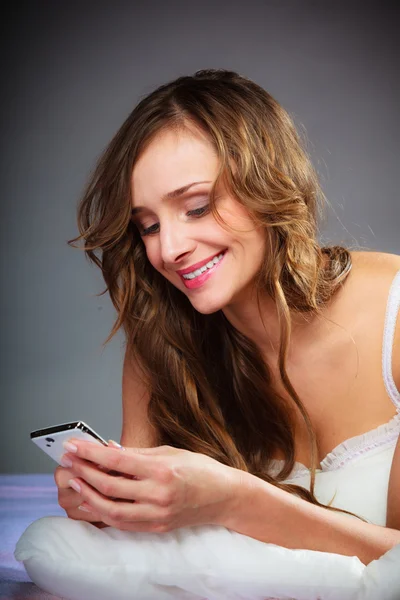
<point x="136" y="429"/>
<point x="266" y="513"/>
<point x="137" y="432"/>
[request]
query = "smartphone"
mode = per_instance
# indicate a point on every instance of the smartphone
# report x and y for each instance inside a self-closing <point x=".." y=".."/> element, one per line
<point x="51" y="439"/>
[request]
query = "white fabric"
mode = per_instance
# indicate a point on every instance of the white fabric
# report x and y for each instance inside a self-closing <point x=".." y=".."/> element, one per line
<point x="361" y="486"/>
<point x="77" y="561"/>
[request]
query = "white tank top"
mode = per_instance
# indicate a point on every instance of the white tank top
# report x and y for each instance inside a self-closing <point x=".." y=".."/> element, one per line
<point x="356" y="472"/>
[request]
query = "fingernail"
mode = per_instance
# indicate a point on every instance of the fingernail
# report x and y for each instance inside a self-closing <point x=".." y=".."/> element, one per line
<point x="85" y="508"/>
<point x="116" y="444"/>
<point x="70" y="447"/>
<point x="75" y="485"/>
<point x="66" y="462"/>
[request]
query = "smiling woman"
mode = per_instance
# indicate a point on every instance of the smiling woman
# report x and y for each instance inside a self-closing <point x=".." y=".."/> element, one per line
<point x="254" y="351"/>
<point x="183" y="240"/>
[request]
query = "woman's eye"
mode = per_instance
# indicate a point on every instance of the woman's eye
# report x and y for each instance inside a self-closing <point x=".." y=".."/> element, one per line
<point x="198" y="212"/>
<point x="195" y="213"/>
<point x="149" y="230"/>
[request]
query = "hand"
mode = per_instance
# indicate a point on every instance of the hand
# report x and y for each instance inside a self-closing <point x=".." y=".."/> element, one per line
<point x="70" y="500"/>
<point x="156" y="489"/>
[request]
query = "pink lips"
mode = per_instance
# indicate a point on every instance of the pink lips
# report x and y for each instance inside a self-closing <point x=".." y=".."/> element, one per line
<point x="197" y="265"/>
<point x="197" y="282"/>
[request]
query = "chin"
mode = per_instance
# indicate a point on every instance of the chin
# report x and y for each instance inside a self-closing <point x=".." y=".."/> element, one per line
<point x="210" y="306"/>
<point x="207" y="310"/>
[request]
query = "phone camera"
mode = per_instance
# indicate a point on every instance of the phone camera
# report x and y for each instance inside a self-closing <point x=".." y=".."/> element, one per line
<point x="49" y="439"/>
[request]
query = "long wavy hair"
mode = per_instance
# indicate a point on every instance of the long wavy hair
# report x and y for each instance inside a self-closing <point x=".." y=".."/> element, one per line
<point x="210" y="389"/>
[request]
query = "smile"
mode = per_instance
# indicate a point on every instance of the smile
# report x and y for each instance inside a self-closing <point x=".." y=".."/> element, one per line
<point x="204" y="268"/>
<point x="195" y="278"/>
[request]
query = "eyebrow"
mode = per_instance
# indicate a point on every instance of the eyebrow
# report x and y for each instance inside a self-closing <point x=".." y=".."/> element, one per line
<point x="171" y="195"/>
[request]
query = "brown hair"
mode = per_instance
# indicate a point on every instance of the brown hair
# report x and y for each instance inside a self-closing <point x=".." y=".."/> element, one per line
<point x="210" y="388"/>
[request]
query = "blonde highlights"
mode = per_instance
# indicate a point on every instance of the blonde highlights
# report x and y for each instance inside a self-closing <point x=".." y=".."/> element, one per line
<point x="210" y="388"/>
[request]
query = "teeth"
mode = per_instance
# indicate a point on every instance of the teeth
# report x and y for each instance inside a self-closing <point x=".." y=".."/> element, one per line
<point x="204" y="268"/>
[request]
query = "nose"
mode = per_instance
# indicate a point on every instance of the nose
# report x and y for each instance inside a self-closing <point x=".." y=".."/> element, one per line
<point x="175" y="243"/>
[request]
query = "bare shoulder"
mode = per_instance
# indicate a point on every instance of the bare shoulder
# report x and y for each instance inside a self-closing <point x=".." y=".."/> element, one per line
<point x="367" y="286"/>
<point x="370" y="278"/>
<point x="360" y="304"/>
<point x="365" y="297"/>
<point x="373" y="266"/>
<point x="371" y="260"/>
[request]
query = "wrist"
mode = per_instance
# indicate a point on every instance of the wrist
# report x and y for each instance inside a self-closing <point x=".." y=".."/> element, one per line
<point x="244" y="488"/>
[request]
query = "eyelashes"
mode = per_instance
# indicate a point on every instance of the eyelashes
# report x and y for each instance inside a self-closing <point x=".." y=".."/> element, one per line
<point x="196" y="213"/>
<point x="149" y="230"/>
<point x="199" y="212"/>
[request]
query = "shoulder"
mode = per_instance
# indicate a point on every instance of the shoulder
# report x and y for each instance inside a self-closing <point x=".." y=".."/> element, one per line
<point x="372" y="260"/>
<point x="374" y="267"/>
<point x="369" y="284"/>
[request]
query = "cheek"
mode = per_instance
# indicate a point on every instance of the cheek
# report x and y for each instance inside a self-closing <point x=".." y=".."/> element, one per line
<point x="153" y="256"/>
<point x="240" y="228"/>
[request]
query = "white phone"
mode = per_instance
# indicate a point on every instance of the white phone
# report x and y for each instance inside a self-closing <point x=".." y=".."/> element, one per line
<point x="51" y="439"/>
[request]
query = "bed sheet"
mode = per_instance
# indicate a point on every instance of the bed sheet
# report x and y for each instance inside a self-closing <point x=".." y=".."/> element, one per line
<point x="23" y="499"/>
<point x="27" y="498"/>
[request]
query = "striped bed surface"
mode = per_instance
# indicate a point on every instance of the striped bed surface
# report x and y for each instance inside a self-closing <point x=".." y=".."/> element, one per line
<point x="23" y="499"/>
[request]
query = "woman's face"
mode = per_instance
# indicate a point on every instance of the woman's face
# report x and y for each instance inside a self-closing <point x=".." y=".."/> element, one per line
<point x="214" y="267"/>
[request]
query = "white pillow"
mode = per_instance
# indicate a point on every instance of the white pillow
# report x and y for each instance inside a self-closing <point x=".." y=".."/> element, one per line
<point x="77" y="561"/>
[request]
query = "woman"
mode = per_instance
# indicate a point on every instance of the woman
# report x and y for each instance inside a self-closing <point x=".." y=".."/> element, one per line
<point x="251" y="352"/>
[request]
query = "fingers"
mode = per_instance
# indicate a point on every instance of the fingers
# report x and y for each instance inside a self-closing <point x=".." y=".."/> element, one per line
<point x="121" y="511"/>
<point x="113" y="486"/>
<point x="128" y="462"/>
<point x="83" y="515"/>
<point x="70" y="500"/>
<point x="61" y="476"/>
<point x="105" y="512"/>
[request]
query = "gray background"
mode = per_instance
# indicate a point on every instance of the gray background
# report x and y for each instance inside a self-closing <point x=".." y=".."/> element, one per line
<point x="71" y="73"/>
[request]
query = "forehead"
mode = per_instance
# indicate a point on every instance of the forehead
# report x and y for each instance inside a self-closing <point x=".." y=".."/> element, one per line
<point x="172" y="160"/>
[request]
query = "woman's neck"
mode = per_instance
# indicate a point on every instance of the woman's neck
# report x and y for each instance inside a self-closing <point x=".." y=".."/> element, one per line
<point x="260" y="323"/>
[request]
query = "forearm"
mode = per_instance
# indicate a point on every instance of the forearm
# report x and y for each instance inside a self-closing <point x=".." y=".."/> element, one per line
<point x="266" y="513"/>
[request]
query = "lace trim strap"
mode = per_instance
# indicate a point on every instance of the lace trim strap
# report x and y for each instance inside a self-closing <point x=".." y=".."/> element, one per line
<point x="360" y="445"/>
<point x="349" y="450"/>
<point x="392" y="310"/>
